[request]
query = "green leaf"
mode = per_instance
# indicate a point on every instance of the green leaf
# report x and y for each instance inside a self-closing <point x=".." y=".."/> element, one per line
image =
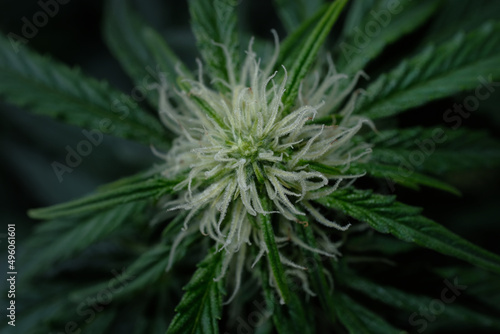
<point x="386" y="215"/>
<point x="460" y="16"/>
<point x="75" y="235"/>
<point x="319" y="281"/>
<point x="150" y="268"/>
<point x="146" y="272"/>
<point x="394" y="174"/>
<point x="201" y="305"/>
<point x="140" y="49"/>
<point x="483" y="285"/>
<point x="212" y="22"/>
<point x="149" y="189"/>
<point x="376" y="242"/>
<point x="309" y="50"/>
<point x="203" y="104"/>
<point x="47" y="87"/>
<point x="290" y="318"/>
<point x="353" y="54"/>
<point x="436" y="151"/>
<point x="435" y="73"/>
<point x="358" y="319"/>
<point x="281" y="323"/>
<point x="273" y="254"/>
<point x="291" y="46"/>
<point x="142" y="176"/>
<point x="355" y="14"/>
<point x="293" y="13"/>
<point x="401" y="300"/>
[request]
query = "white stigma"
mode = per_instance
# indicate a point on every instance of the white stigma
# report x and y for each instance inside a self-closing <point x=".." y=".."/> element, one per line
<point x="238" y="146"/>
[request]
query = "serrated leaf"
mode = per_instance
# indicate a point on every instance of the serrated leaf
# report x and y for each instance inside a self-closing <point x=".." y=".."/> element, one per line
<point x="49" y="88"/>
<point x="436" y="151"/>
<point x="273" y="254"/>
<point x="291" y="46"/>
<point x="435" y="73"/>
<point x="386" y="215"/>
<point x="353" y="53"/>
<point x="203" y="104"/>
<point x="150" y="268"/>
<point x="318" y="279"/>
<point x="280" y="322"/>
<point x="139" y="48"/>
<point x="212" y="22"/>
<point x="293" y="13"/>
<point x="141" y="176"/>
<point x="460" y="16"/>
<point x="201" y="305"/>
<point x="355" y="14"/>
<point x="392" y="174"/>
<point x="358" y="319"/>
<point x="309" y="50"/>
<point x="375" y="242"/>
<point x="144" y="273"/>
<point x="75" y="235"/>
<point x="149" y="189"/>
<point x="483" y="285"/>
<point x="290" y="318"/>
<point x="413" y="304"/>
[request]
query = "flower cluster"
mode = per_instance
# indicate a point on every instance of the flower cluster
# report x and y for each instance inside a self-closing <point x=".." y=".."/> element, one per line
<point x="240" y="147"/>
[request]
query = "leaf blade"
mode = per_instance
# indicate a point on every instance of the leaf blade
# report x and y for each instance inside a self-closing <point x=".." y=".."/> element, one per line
<point x="49" y="88"/>
<point x="443" y="150"/>
<point x="273" y="254"/>
<point x="359" y="319"/>
<point x="207" y="297"/>
<point x="386" y="215"/>
<point x="393" y="26"/>
<point x="151" y="188"/>
<point x="435" y="73"/>
<point x="412" y="303"/>
<point x="139" y="48"/>
<point x="309" y="52"/>
<point x="293" y="13"/>
<point x="214" y="25"/>
<point x="75" y="235"/>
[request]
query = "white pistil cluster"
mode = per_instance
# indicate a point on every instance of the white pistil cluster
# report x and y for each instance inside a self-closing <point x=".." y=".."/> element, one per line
<point x="240" y="146"/>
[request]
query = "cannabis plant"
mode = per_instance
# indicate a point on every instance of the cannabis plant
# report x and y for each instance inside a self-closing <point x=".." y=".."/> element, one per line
<point x="270" y="201"/>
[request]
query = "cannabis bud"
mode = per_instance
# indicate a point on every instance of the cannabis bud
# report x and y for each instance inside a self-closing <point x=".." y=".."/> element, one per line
<point x="244" y="148"/>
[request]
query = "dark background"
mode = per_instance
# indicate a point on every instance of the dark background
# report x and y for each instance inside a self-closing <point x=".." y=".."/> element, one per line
<point x="30" y="143"/>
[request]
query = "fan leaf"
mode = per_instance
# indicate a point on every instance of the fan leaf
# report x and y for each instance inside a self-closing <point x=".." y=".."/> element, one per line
<point x="149" y="189"/>
<point x="49" y="88"/>
<point x="214" y="26"/>
<point x="309" y="50"/>
<point x="201" y="305"/>
<point x="140" y="49"/>
<point x="386" y="215"/>
<point x="465" y="62"/>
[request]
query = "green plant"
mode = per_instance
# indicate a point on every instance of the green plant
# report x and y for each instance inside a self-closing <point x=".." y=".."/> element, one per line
<point x="274" y="174"/>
